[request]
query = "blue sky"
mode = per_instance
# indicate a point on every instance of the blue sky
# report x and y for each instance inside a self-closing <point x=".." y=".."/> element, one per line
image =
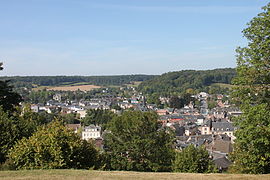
<point x="112" y="37"/>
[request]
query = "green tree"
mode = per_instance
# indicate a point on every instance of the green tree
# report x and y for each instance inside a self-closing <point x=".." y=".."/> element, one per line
<point x="98" y="117"/>
<point x="212" y="104"/>
<point x="252" y="91"/>
<point x="71" y="118"/>
<point x="176" y="102"/>
<point x="8" y="98"/>
<point x="53" y="146"/>
<point x="9" y="133"/>
<point x="252" y="147"/>
<point x="137" y="143"/>
<point x="16" y="126"/>
<point x="193" y="160"/>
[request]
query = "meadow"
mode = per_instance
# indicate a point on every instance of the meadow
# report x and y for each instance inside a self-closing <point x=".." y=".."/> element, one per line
<point x="74" y="88"/>
<point x="120" y="175"/>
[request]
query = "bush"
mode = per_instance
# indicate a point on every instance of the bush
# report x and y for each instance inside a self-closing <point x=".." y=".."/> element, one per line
<point x="193" y="160"/>
<point x="53" y="147"/>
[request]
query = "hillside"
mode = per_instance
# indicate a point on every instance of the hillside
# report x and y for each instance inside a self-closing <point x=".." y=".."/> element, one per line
<point x="180" y="81"/>
<point x="30" y="81"/>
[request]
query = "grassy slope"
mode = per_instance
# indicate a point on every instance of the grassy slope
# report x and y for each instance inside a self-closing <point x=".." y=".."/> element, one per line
<point x="84" y="174"/>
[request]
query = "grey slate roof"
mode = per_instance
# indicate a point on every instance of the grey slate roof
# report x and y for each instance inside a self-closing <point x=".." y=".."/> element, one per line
<point x="222" y="126"/>
<point x="222" y="162"/>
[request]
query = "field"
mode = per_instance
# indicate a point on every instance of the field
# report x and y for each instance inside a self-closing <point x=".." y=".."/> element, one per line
<point x="223" y="85"/>
<point x="119" y="175"/>
<point x="71" y="88"/>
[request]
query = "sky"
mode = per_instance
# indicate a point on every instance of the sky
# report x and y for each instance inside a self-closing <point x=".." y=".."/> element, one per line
<point x="115" y="37"/>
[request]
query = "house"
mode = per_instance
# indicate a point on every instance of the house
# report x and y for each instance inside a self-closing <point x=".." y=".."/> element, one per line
<point x="220" y="143"/>
<point x="222" y="163"/>
<point x="74" y="127"/>
<point x="35" y="108"/>
<point x="226" y="128"/>
<point x="206" y="128"/>
<point x="91" y="132"/>
<point x="161" y="112"/>
<point x="57" y="97"/>
<point x="82" y="113"/>
<point x="203" y="95"/>
<point x="219" y="127"/>
<point x="200" y="120"/>
<point x="46" y="108"/>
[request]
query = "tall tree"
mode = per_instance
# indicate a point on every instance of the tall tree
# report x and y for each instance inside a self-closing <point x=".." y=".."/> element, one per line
<point x="252" y="153"/>
<point x="8" y="98"/>
<point x="137" y="143"/>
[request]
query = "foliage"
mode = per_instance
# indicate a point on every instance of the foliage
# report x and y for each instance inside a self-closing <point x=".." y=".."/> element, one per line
<point x="252" y="147"/>
<point x="212" y="104"/>
<point x="175" y="83"/>
<point x="116" y="107"/>
<point x="16" y="126"/>
<point x="193" y="160"/>
<point x="70" y="118"/>
<point x="137" y="143"/>
<point x="252" y="153"/>
<point x="69" y="80"/>
<point x="53" y="146"/>
<point x="8" y="98"/>
<point x="253" y="64"/>
<point x="176" y="102"/>
<point x="97" y="117"/>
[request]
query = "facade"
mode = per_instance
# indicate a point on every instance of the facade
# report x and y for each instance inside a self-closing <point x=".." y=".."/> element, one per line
<point x="91" y="132"/>
<point x="82" y="113"/>
<point x="216" y="128"/>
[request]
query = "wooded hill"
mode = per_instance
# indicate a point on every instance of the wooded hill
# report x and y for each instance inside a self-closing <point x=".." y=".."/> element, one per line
<point x="22" y="81"/>
<point x="180" y="81"/>
<point x="165" y="84"/>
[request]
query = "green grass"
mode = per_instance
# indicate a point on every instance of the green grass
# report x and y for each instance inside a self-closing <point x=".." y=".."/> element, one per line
<point x="120" y="175"/>
<point x="223" y="85"/>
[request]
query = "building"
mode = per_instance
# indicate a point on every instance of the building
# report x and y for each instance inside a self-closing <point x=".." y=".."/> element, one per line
<point x="219" y="127"/>
<point x="74" y="127"/>
<point x="91" y="132"/>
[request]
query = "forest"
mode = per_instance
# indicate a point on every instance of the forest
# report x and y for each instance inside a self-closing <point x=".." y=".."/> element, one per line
<point x="29" y="81"/>
<point x="180" y="81"/>
<point x="166" y="84"/>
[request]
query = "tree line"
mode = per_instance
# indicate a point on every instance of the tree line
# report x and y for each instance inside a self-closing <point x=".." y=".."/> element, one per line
<point x="28" y="81"/>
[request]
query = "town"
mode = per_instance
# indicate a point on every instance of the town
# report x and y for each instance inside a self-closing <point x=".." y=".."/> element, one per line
<point x="192" y="124"/>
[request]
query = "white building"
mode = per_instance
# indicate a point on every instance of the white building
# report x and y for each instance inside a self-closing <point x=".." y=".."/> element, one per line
<point x="91" y="132"/>
<point x="82" y="113"/>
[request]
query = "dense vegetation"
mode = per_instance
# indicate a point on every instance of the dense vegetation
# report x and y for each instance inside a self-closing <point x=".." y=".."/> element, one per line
<point x="28" y="81"/>
<point x="8" y="98"/>
<point x="53" y="147"/>
<point x="187" y="80"/>
<point x="98" y="117"/>
<point x="136" y="143"/>
<point x="252" y="92"/>
<point x="193" y="160"/>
